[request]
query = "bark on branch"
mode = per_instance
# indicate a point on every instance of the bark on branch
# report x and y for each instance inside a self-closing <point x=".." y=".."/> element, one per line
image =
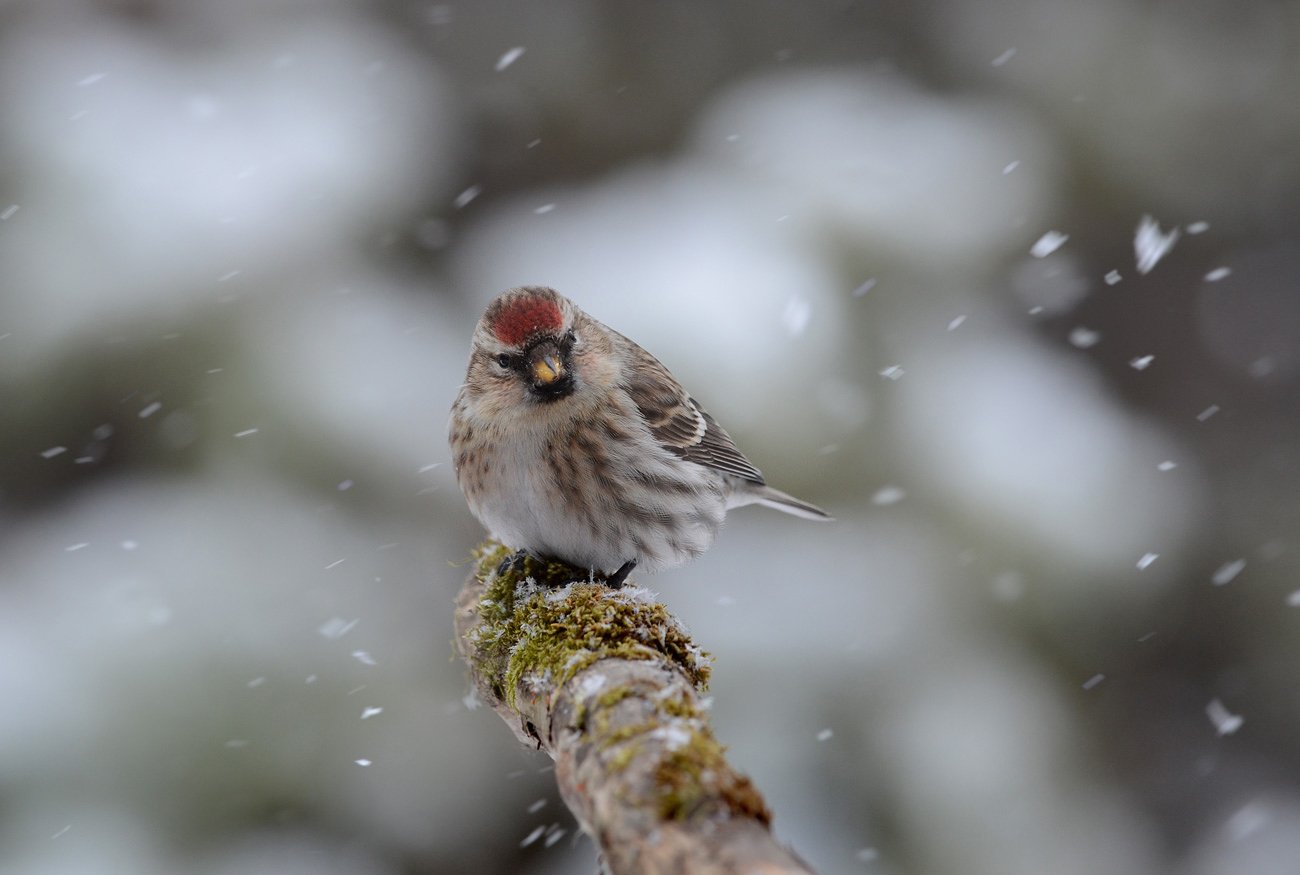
<point x="608" y="683"/>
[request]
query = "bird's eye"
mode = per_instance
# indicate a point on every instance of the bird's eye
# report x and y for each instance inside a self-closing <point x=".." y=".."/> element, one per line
<point x="570" y="338"/>
<point x="505" y="360"/>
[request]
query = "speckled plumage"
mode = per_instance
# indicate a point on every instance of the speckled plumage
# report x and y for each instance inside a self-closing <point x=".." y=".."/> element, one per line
<point x="603" y="459"/>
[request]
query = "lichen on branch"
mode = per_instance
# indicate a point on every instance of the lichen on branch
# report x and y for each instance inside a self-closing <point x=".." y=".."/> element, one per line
<point x="537" y="622"/>
<point x="610" y="684"/>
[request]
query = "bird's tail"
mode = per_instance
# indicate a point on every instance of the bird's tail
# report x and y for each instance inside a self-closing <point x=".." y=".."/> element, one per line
<point x="778" y="500"/>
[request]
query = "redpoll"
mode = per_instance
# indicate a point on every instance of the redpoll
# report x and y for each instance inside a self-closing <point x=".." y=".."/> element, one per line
<point x="572" y="443"/>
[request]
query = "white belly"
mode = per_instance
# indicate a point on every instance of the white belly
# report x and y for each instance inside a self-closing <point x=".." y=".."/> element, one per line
<point x="599" y="504"/>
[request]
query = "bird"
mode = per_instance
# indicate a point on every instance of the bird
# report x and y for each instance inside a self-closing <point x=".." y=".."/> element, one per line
<point x="571" y="443"/>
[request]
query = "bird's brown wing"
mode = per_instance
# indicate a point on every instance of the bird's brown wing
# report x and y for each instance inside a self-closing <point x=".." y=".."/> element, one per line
<point x="679" y="424"/>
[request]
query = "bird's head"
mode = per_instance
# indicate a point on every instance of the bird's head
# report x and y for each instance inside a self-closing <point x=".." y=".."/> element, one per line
<point x="524" y="346"/>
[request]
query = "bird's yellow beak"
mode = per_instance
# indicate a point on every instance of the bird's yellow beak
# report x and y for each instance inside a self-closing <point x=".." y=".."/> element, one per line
<point x="546" y="370"/>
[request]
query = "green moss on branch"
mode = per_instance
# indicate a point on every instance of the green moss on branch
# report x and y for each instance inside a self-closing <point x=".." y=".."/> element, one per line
<point x="545" y="620"/>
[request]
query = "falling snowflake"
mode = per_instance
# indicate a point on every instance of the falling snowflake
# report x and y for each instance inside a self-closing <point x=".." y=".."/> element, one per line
<point x="1228" y="571"/>
<point x="1150" y="244"/>
<point x="1084" y="337"/>
<point x="866" y="286"/>
<point x="462" y="200"/>
<point x="1224" y="720"/>
<point x="509" y="57"/>
<point x="1048" y="243"/>
<point x="887" y="495"/>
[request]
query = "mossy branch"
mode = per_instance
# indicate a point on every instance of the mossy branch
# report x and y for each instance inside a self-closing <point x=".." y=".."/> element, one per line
<point x="608" y="683"/>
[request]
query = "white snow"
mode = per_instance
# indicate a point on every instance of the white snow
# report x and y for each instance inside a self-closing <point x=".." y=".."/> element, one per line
<point x="1141" y="363"/>
<point x="1217" y="274"/>
<point x="825" y="734"/>
<point x="1004" y="57"/>
<point x="245" y="433"/>
<point x="462" y="200"/>
<point x="509" y="57"/>
<point x="1093" y="681"/>
<point x="1146" y="560"/>
<point x="887" y="495"/>
<point x="1207" y="413"/>
<point x="52" y="452"/>
<point x="1248" y="820"/>
<point x="1228" y="571"/>
<point x="371" y="711"/>
<point x="150" y="409"/>
<point x="1112" y="277"/>
<point x="8" y="212"/>
<point x="866" y="286"/>
<point x="1083" y="337"/>
<point x="1150" y="244"/>
<point x="1048" y="243"/>
<point x="532" y="836"/>
<point x="893" y="372"/>
<point x="363" y="657"/>
<point x="675" y="735"/>
<point x="336" y="627"/>
<point x="1225" y="722"/>
<point x="1167" y="465"/>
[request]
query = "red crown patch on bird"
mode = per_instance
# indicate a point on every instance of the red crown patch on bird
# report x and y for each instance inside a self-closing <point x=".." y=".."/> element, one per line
<point x="522" y="318"/>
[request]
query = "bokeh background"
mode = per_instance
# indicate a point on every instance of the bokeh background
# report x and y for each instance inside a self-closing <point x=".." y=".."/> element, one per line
<point x="1011" y="287"/>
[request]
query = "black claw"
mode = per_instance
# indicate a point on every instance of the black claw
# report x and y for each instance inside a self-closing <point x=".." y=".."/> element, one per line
<point x="615" y="580"/>
<point x="512" y="563"/>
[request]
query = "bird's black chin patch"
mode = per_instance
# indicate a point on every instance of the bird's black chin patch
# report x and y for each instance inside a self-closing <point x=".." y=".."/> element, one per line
<point x="553" y="391"/>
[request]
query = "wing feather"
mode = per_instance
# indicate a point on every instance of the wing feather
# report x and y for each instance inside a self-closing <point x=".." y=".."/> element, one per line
<point x="678" y="422"/>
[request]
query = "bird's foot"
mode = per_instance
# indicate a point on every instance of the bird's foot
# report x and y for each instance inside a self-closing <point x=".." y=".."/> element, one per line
<point x="513" y="563"/>
<point x="617" y="579"/>
<point x="554" y="572"/>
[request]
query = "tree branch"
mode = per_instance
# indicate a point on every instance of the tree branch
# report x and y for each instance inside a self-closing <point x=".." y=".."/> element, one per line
<point x="608" y="683"/>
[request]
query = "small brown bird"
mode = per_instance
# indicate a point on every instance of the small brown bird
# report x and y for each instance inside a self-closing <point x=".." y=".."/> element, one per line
<point x="571" y="442"/>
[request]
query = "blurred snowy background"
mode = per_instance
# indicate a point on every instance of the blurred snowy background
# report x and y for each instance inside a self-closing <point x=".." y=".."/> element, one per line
<point x="1013" y="288"/>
